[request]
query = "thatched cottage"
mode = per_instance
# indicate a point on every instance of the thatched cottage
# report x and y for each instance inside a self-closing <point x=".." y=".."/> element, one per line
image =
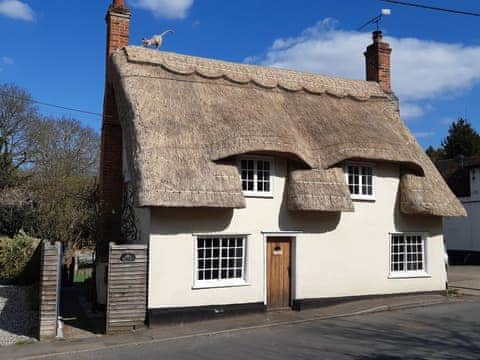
<point x="259" y="188"/>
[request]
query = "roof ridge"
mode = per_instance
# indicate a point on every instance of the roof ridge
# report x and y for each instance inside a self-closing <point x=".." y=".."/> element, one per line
<point x="267" y="77"/>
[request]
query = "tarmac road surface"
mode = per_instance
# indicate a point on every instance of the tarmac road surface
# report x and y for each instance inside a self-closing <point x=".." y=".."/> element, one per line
<point x="447" y="331"/>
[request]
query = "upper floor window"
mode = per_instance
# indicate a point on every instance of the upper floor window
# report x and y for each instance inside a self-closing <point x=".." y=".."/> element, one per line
<point x="360" y="180"/>
<point x="256" y="175"/>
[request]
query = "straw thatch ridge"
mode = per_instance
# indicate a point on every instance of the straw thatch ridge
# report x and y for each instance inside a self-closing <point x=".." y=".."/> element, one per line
<point x="268" y="78"/>
<point x="182" y="116"/>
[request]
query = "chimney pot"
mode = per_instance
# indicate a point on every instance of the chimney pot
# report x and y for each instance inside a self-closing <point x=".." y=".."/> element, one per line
<point x="377" y="36"/>
<point x="119" y="3"/>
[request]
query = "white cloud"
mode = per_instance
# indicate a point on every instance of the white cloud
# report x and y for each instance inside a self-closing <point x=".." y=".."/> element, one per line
<point x="7" y="60"/>
<point x="16" y="9"/>
<point x="423" y="134"/>
<point x="410" y="110"/>
<point x="421" y="69"/>
<point x="447" y="120"/>
<point x="170" y="9"/>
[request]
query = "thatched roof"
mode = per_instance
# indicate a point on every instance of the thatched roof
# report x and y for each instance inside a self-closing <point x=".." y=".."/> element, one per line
<point x="183" y="117"/>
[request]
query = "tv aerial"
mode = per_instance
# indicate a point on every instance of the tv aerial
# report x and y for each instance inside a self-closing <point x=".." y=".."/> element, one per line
<point x="377" y="19"/>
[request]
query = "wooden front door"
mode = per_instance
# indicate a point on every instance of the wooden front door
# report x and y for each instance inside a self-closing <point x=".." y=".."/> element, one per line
<point x="278" y="272"/>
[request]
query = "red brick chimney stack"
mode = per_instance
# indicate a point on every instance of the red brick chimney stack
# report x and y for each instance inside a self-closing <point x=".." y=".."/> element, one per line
<point x="377" y="59"/>
<point x="110" y="174"/>
<point x="118" y="26"/>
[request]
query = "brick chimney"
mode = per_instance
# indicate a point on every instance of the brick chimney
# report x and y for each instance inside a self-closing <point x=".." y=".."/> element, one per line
<point x="110" y="174"/>
<point x="377" y="59"/>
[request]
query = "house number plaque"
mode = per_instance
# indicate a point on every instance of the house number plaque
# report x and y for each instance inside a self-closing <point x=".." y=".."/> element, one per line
<point x="127" y="257"/>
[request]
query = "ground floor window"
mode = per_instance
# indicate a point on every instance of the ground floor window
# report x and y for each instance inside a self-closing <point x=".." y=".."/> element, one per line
<point x="220" y="260"/>
<point x="407" y="253"/>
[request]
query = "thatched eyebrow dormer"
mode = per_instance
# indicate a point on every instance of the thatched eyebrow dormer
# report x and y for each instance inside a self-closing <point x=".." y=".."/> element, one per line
<point x="180" y="115"/>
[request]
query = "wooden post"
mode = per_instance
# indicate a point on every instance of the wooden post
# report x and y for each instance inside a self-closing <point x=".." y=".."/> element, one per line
<point x="49" y="289"/>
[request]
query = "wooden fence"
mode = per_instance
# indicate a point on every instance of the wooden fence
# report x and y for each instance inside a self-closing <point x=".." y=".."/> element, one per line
<point x="126" y="287"/>
<point x="49" y="289"/>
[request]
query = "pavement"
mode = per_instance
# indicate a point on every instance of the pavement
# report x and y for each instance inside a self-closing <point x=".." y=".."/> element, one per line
<point x="463" y="280"/>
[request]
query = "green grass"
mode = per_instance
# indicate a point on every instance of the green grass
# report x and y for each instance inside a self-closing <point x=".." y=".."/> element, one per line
<point x="82" y="275"/>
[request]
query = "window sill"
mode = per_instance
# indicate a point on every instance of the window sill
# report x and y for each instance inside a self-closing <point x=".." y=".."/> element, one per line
<point x="258" y="195"/>
<point x="208" y="285"/>
<point x="409" y="275"/>
<point x="363" y="198"/>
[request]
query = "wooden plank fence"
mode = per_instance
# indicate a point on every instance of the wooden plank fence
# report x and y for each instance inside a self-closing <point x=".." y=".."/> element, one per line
<point x="48" y="291"/>
<point x="126" y="287"/>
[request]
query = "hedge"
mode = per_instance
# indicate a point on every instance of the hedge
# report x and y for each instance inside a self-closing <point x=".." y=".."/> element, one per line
<point x="19" y="259"/>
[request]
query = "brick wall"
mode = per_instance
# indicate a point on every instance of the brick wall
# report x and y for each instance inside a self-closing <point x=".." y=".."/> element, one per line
<point x="110" y="182"/>
<point x="377" y="59"/>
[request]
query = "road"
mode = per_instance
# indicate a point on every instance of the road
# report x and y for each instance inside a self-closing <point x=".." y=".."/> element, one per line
<point x="450" y="331"/>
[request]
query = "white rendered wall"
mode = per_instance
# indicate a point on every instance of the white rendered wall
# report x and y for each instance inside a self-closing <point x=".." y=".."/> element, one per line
<point x="335" y="254"/>
<point x="463" y="233"/>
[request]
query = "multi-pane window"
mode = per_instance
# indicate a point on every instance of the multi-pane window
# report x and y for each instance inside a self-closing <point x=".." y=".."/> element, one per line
<point x="220" y="259"/>
<point x="407" y="253"/>
<point x="360" y="180"/>
<point x="256" y="175"/>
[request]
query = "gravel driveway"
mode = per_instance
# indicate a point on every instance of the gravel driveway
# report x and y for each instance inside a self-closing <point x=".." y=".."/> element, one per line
<point x="17" y="321"/>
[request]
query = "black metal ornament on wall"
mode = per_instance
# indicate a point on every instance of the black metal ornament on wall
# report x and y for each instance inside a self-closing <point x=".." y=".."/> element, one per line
<point x="129" y="229"/>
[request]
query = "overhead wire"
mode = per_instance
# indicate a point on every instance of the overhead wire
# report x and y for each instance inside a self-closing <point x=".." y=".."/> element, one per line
<point x="3" y="93"/>
<point x="429" y="7"/>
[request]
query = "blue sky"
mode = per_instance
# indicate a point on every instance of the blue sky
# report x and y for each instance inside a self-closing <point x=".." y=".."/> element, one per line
<point x="55" y="49"/>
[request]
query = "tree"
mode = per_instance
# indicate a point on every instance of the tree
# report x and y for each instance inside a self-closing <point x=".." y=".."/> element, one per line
<point x="16" y="115"/>
<point x="462" y="139"/>
<point x="63" y="147"/>
<point x="64" y="165"/>
<point x="435" y="154"/>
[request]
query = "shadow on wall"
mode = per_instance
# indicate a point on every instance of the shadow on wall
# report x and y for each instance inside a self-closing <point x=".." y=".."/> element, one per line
<point x="316" y="222"/>
<point x="199" y="220"/>
<point x="17" y="313"/>
<point x="205" y="220"/>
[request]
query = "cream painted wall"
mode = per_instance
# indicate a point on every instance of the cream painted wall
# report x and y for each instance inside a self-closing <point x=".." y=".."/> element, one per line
<point x="335" y="254"/>
<point x="461" y="233"/>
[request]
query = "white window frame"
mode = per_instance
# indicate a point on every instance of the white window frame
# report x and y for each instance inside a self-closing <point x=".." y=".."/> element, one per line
<point x="362" y="196"/>
<point x="215" y="283"/>
<point x="402" y="274"/>
<point x="255" y="192"/>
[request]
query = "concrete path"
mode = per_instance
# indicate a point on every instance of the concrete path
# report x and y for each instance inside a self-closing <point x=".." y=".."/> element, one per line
<point x="464" y="279"/>
<point x="442" y="331"/>
<point x="224" y="326"/>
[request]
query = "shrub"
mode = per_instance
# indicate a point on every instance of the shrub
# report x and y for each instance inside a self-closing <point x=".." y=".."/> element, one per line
<point x="14" y="218"/>
<point x="15" y="255"/>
